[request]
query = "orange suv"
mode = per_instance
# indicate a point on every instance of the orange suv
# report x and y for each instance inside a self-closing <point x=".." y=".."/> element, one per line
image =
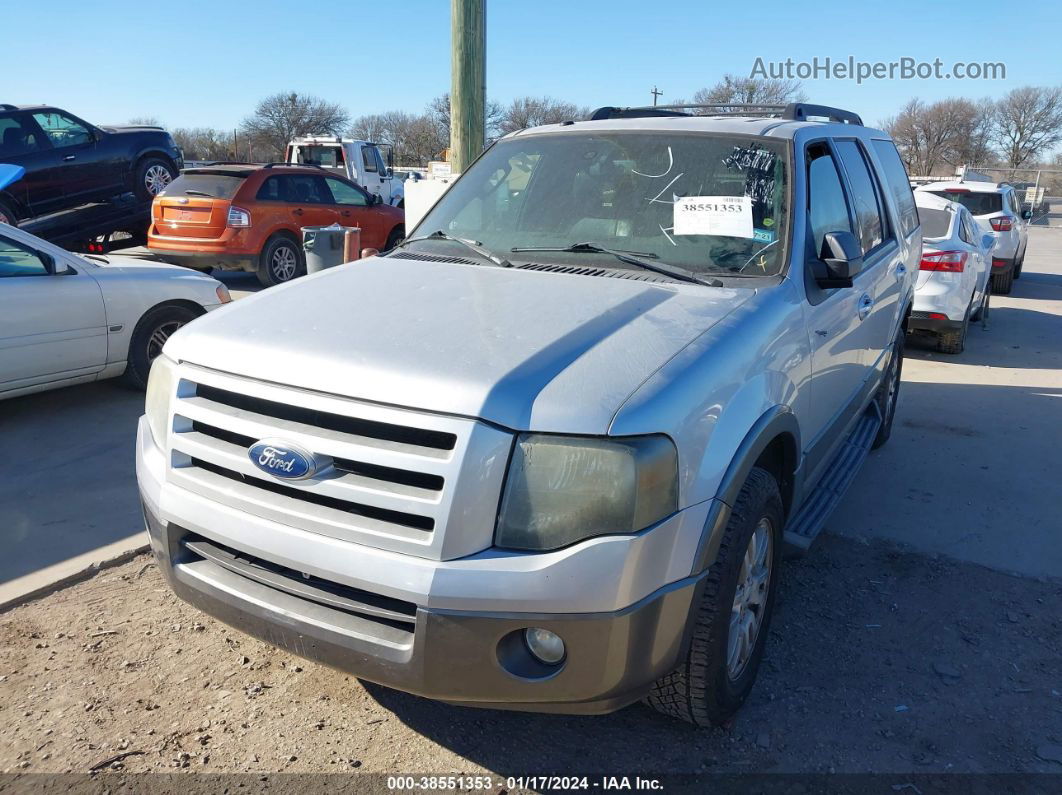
<point x="249" y="217"/>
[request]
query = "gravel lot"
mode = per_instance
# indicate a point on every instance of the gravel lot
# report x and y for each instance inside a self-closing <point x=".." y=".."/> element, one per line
<point x="879" y="660"/>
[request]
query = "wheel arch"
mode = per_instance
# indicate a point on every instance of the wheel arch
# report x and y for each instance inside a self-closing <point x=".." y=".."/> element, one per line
<point x="183" y="303"/>
<point x="773" y="444"/>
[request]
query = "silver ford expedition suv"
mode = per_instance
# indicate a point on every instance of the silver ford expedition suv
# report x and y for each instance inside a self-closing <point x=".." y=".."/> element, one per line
<point x="545" y="455"/>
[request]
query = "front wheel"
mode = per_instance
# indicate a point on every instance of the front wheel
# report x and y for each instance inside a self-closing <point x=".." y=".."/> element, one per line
<point x="153" y="174"/>
<point x="149" y="337"/>
<point x="720" y="668"/>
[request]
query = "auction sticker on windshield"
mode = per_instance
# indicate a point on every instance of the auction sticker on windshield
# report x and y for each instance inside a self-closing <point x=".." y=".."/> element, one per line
<point x="726" y="216"/>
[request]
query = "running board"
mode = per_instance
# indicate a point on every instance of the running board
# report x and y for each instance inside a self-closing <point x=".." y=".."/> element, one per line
<point x="805" y="526"/>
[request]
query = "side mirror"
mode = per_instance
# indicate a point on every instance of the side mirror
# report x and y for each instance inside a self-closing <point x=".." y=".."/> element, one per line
<point x="840" y="261"/>
<point x="1026" y="214"/>
<point x="377" y="199"/>
<point x="987" y="242"/>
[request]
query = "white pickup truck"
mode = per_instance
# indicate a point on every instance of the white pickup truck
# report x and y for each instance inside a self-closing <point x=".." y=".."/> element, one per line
<point x="360" y="161"/>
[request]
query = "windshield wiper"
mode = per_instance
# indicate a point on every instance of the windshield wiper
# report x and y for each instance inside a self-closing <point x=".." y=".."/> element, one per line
<point x="471" y="245"/>
<point x="98" y="258"/>
<point x="629" y="257"/>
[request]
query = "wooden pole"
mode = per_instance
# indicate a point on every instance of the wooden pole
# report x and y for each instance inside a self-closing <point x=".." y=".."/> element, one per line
<point x="468" y="80"/>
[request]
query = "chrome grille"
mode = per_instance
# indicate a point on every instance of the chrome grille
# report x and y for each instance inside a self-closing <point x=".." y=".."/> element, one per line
<point x="393" y="482"/>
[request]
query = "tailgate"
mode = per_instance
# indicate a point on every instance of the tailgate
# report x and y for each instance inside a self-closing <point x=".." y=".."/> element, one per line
<point x="190" y="217"/>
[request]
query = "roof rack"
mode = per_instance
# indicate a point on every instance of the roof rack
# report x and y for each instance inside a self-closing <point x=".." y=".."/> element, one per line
<point x="794" y="111"/>
<point x="295" y="165"/>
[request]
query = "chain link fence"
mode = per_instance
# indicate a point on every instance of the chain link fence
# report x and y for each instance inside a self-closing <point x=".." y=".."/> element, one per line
<point x="1039" y="189"/>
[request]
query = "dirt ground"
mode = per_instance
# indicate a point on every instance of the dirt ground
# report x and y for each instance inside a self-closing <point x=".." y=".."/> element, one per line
<point x="879" y="660"/>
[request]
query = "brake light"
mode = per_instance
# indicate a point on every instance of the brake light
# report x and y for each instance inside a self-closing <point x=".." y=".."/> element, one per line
<point x="1003" y="224"/>
<point x="238" y="217"/>
<point x="999" y="263"/>
<point x="947" y="261"/>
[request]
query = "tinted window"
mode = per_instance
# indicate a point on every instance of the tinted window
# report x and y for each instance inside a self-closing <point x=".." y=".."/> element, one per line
<point x="328" y="156"/>
<point x="296" y="189"/>
<point x="61" y="129"/>
<point x="976" y="203"/>
<point x="935" y="223"/>
<point x="345" y="193"/>
<point x="368" y="158"/>
<point x="899" y="185"/>
<point x="827" y="208"/>
<point x="17" y="137"/>
<point x="18" y="260"/>
<point x="215" y="186"/>
<point x="864" y="197"/>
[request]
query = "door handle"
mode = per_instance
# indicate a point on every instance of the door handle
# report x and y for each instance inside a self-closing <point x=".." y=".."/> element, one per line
<point x="70" y="157"/>
<point x="297" y="211"/>
<point x="901" y="271"/>
<point x="865" y="305"/>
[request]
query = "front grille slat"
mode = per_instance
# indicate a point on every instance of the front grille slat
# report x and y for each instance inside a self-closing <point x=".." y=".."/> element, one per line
<point x="393" y="612"/>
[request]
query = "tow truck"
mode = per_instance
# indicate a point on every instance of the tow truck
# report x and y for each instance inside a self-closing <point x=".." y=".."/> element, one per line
<point x="360" y="161"/>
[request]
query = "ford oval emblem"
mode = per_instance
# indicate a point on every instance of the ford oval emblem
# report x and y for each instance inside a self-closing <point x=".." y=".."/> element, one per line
<point x="282" y="459"/>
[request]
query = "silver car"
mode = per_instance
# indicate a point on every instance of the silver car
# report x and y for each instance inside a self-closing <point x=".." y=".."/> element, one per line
<point x="546" y="453"/>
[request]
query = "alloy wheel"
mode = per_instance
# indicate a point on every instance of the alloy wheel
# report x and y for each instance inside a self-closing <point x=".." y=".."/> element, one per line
<point x="283" y="263"/>
<point x="750" y="599"/>
<point x="156" y="178"/>
<point x="159" y="336"/>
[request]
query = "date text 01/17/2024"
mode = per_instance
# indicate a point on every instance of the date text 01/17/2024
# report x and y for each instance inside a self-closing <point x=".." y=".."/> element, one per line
<point x="488" y="783"/>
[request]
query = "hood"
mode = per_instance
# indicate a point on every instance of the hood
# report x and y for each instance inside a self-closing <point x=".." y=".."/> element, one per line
<point x="524" y="349"/>
<point x="139" y="265"/>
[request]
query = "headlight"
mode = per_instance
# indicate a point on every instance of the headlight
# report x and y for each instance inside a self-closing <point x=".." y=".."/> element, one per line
<point x="161" y="386"/>
<point x="563" y="489"/>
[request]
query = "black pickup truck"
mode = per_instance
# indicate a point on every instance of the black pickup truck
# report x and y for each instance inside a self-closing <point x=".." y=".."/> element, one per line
<point x="72" y="164"/>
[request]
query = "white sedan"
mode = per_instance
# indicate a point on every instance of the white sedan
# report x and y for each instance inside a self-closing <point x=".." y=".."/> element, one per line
<point x="68" y="319"/>
<point x="953" y="277"/>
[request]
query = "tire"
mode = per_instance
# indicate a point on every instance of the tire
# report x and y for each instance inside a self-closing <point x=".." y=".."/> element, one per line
<point x="151" y="175"/>
<point x="1002" y="282"/>
<point x="711" y="684"/>
<point x="979" y="313"/>
<point x="889" y="391"/>
<point x="8" y="214"/>
<point x="1018" y="266"/>
<point x="953" y="341"/>
<point x="281" y="261"/>
<point x="392" y="239"/>
<point x="149" y="336"/>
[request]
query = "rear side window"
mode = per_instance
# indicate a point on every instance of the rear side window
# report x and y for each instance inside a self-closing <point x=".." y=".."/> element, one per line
<point x="864" y="197"/>
<point x="899" y="185"/>
<point x="935" y="223"/>
<point x="213" y="186"/>
<point x="17" y="137"/>
<point x="976" y="203"/>
<point x="827" y="208"/>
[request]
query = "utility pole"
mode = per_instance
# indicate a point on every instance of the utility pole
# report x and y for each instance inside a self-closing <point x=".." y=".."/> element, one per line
<point x="468" y="81"/>
<point x="656" y="94"/>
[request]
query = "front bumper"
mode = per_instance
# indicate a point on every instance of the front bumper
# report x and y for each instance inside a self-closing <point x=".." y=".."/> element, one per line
<point x="471" y="654"/>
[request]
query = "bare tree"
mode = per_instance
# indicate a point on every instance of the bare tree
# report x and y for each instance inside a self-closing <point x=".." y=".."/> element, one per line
<point x="439" y="112"/>
<point x="525" y="112"/>
<point x="733" y="89"/>
<point x="204" y="143"/>
<point x="280" y="117"/>
<point x="1027" y="123"/>
<point x="948" y="132"/>
<point x="416" y="138"/>
<point x="144" y="121"/>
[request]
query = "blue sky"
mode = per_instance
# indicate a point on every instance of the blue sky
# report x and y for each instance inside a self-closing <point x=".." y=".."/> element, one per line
<point x="196" y="63"/>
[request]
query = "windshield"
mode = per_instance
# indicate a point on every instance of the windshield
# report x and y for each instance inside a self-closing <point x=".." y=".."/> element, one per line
<point x="708" y="203"/>
<point x="977" y="203"/>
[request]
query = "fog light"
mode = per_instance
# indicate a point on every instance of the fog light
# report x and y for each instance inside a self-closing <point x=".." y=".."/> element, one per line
<point x="545" y="645"/>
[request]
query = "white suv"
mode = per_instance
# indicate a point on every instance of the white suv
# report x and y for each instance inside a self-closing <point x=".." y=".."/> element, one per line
<point x="998" y="210"/>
